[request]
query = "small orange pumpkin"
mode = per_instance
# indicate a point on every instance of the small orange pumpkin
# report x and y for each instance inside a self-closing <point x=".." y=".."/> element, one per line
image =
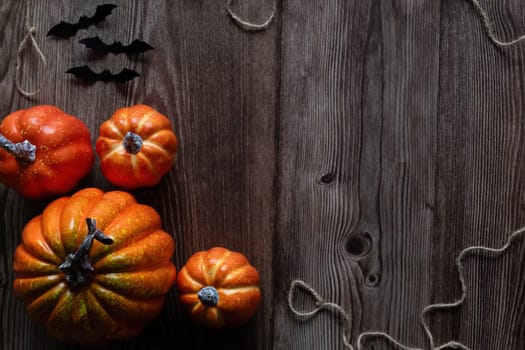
<point x="136" y="147"/>
<point x="44" y="151"/>
<point x="219" y="288"/>
<point x="94" y="267"/>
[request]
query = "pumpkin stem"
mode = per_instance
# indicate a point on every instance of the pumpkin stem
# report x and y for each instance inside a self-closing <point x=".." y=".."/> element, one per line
<point x="77" y="266"/>
<point x="208" y="296"/>
<point x="24" y="151"/>
<point x="132" y="142"/>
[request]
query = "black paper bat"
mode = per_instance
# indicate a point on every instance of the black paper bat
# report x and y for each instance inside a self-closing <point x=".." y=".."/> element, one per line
<point x="64" y="29"/>
<point x="98" y="45"/>
<point x="86" y="73"/>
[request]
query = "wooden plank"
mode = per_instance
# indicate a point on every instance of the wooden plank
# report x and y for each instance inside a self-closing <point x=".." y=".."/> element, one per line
<point x="225" y="86"/>
<point x="479" y="181"/>
<point x="324" y="48"/>
<point x="218" y="85"/>
<point x="422" y="184"/>
<point x="377" y="139"/>
<point x="409" y="45"/>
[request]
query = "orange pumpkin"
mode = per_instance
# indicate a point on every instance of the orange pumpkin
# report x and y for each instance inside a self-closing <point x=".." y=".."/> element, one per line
<point x="136" y="147"/>
<point x="94" y="267"/>
<point x="219" y="288"/>
<point x="45" y="151"/>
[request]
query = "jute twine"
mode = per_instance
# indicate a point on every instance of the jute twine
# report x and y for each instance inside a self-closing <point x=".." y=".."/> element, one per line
<point x="487" y="23"/>
<point x="30" y="36"/>
<point x="346" y="318"/>
<point x="489" y="26"/>
<point x="248" y="26"/>
<point x="244" y="25"/>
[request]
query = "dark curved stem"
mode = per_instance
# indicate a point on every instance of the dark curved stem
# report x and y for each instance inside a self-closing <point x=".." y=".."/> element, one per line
<point x="77" y="266"/>
<point x="208" y="296"/>
<point x="132" y="142"/>
<point x="24" y="151"/>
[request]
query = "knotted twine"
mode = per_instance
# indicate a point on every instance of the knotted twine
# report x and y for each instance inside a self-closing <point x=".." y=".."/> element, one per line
<point x="346" y="318"/>
<point x="30" y="35"/>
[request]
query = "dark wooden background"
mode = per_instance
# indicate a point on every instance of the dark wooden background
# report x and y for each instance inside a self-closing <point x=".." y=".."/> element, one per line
<point x="358" y="145"/>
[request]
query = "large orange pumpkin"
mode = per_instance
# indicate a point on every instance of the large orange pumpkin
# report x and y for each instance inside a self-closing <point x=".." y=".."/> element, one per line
<point x="44" y="151"/>
<point x="219" y="288"/>
<point x="94" y="267"/>
<point x="136" y="147"/>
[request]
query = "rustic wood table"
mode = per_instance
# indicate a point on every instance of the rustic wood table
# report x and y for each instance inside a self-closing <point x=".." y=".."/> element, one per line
<point x="357" y="145"/>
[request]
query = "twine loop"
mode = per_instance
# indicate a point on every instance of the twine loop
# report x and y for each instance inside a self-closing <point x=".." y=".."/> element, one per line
<point x="322" y="304"/>
<point x="30" y="36"/>
<point x="248" y="26"/>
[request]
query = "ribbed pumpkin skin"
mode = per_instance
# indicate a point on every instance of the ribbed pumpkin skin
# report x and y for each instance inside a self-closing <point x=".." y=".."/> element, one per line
<point x="64" y="154"/>
<point x="132" y="275"/>
<point x="236" y="281"/>
<point x="154" y="160"/>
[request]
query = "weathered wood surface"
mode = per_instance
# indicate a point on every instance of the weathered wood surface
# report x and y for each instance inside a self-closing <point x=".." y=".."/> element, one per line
<point x="356" y="145"/>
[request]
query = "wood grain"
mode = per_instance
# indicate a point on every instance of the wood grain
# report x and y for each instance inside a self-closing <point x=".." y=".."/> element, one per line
<point x="411" y="166"/>
<point x="356" y="145"/>
<point x="324" y="48"/>
<point x="405" y="194"/>
<point x="479" y="187"/>
<point x="217" y="84"/>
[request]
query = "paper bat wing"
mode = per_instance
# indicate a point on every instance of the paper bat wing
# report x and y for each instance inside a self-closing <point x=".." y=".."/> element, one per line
<point x="64" y="29"/>
<point x="102" y="12"/>
<point x="85" y="72"/>
<point x="125" y="75"/>
<point x="98" y="45"/>
<point x="138" y="46"/>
